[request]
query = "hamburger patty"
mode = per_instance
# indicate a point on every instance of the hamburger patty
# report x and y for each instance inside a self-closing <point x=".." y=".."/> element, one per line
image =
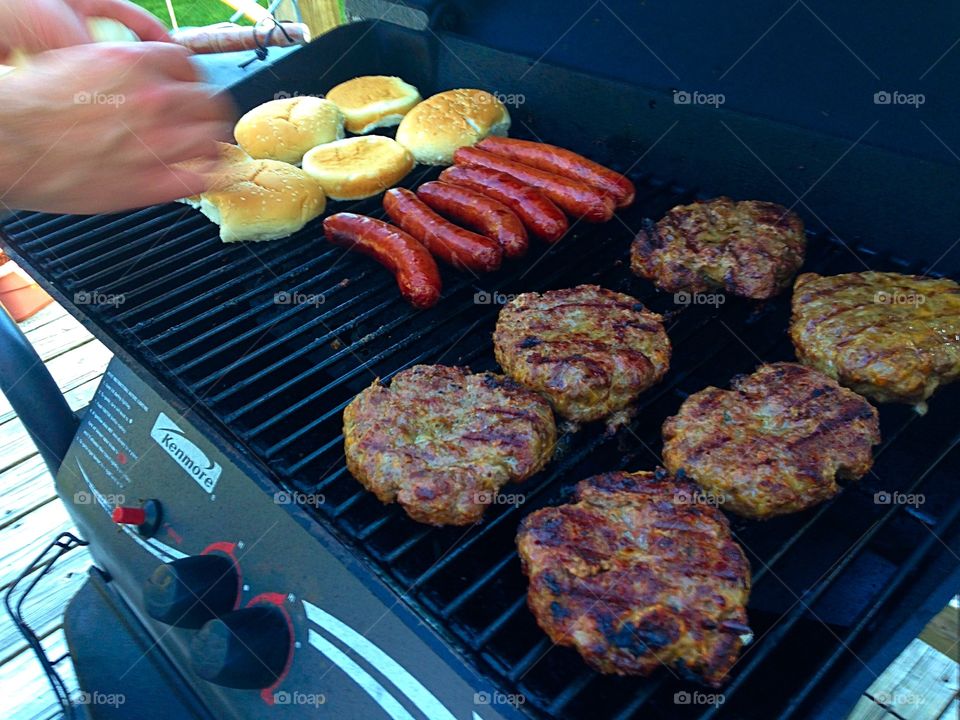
<point x="891" y="337"/>
<point x="634" y="575"/>
<point x="589" y="350"/>
<point x="750" y="248"/>
<point x="442" y="441"/>
<point x="775" y="443"/>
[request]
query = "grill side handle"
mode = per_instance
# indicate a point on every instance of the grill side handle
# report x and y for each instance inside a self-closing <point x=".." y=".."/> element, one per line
<point x="34" y="395"/>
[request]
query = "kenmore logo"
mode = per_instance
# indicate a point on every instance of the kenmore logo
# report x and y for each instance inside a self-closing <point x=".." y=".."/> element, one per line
<point x="188" y="456"/>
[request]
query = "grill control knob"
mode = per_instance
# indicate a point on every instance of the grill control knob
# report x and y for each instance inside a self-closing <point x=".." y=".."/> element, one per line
<point x="190" y="591"/>
<point x="245" y="648"/>
<point x="146" y="518"/>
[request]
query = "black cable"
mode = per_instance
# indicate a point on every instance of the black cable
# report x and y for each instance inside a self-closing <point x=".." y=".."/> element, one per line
<point x="262" y="49"/>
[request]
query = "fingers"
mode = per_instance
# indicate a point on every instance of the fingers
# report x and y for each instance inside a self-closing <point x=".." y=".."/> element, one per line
<point x="172" y="144"/>
<point x="189" y="102"/>
<point x="42" y="25"/>
<point x="143" y="23"/>
<point x="167" y="59"/>
<point x="166" y="184"/>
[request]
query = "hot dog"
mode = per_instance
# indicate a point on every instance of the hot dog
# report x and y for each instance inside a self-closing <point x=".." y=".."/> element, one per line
<point x="411" y="263"/>
<point x="575" y="198"/>
<point x="563" y="162"/>
<point x="537" y="212"/>
<point x="452" y="244"/>
<point x="479" y="212"/>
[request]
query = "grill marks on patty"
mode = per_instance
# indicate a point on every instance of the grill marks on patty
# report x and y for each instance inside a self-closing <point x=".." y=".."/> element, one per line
<point x="589" y="350"/>
<point x="633" y="577"/>
<point x="749" y="248"/>
<point x="442" y="442"/>
<point x="891" y="337"/>
<point x="775" y="443"/>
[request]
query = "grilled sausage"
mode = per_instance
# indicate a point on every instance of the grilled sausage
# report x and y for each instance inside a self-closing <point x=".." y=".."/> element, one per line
<point x="411" y="263"/>
<point x="452" y="244"/>
<point x="563" y="162"/>
<point x="479" y="212"/>
<point x="575" y="198"/>
<point x="537" y="212"/>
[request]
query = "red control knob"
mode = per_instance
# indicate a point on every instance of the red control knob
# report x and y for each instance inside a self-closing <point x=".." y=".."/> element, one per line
<point x="129" y="515"/>
<point x="146" y="518"/>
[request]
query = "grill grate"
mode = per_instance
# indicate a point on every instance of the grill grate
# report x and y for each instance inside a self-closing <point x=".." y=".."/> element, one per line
<point x="204" y="317"/>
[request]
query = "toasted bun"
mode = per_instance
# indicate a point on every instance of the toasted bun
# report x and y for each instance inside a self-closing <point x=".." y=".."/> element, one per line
<point x="229" y="156"/>
<point x="262" y="200"/>
<point x="373" y="101"/>
<point x="285" y="129"/>
<point x="435" y="128"/>
<point x="358" y="167"/>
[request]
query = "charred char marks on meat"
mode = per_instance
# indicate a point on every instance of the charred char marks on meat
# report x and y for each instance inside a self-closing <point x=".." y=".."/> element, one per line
<point x="891" y="337"/>
<point x="749" y="248"/>
<point x="442" y="441"/>
<point x="633" y="575"/>
<point x="589" y="350"/>
<point x="775" y="443"/>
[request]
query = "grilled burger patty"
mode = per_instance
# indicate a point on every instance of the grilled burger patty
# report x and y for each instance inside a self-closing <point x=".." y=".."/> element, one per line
<point x="749" y="248"/>
<point x="775" y="443"/>
<point x="442" y="441"/>
<point x="634" y="575"/>
<point x="891" y="337"/>
<point x="589" y="350"/>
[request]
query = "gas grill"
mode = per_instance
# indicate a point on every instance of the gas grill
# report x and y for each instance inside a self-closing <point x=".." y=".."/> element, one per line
<point x="234" y="363"/>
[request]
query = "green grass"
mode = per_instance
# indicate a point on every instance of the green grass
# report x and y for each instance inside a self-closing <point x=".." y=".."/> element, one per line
<point x="192" y="13"/>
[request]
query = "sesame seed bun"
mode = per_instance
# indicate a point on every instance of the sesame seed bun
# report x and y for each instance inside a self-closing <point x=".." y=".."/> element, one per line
<point x="358" y="167"/>
<point x="435" y="128"/>
<point x="373" y="101"/>
<point x="285" y="129"/>
<point x="262" y="200"/>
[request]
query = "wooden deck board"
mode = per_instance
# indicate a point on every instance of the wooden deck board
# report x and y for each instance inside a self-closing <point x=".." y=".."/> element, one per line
<point x="25" y="693"/>
<point x="24" y="487"/>
<point x="22" y="541"/>
<point x="81" y="364"/>
<point x="952" y="712"/>
<point x="920" y="684"/>
<point x="44" y="609"/>
<point x="16" y="446"/>
<point x="58" y="337"/>
<point x="50" y="313"/>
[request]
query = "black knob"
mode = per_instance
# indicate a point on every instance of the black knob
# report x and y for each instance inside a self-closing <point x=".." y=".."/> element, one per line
<point x="245" y="648"/>
<point x="190" y="591"/>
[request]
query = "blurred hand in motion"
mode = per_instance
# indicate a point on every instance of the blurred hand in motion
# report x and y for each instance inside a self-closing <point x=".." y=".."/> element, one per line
<point x="98" y="128"/>
<point x="32" y="26"/>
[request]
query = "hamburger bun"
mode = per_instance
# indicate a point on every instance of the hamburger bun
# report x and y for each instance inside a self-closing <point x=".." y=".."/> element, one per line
<point x="104" y="29"/>
<point x="262" y="200"/>
<point x="285" y="129"/>
<point x="373" y="101"/>
<point x="435" y="128"/>
<point x="358" y="167"/>
<point x="228" y="156"/>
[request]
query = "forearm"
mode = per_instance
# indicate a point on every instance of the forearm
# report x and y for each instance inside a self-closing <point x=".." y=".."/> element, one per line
<point x="20" y="150"/>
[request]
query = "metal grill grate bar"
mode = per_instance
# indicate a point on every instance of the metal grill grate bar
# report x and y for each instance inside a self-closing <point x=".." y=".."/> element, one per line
<point x="772" y="640"/>
<point x="239" y="281"/>
<point x="180" y="263"/>
<point x="892" y="585"/>
<point x="117" y="238"/>
<point x="300" y="432"/>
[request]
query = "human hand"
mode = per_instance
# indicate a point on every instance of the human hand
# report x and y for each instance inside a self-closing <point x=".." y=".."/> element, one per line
<point x="33" y="26"/>
<point x="98" y="128"/>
